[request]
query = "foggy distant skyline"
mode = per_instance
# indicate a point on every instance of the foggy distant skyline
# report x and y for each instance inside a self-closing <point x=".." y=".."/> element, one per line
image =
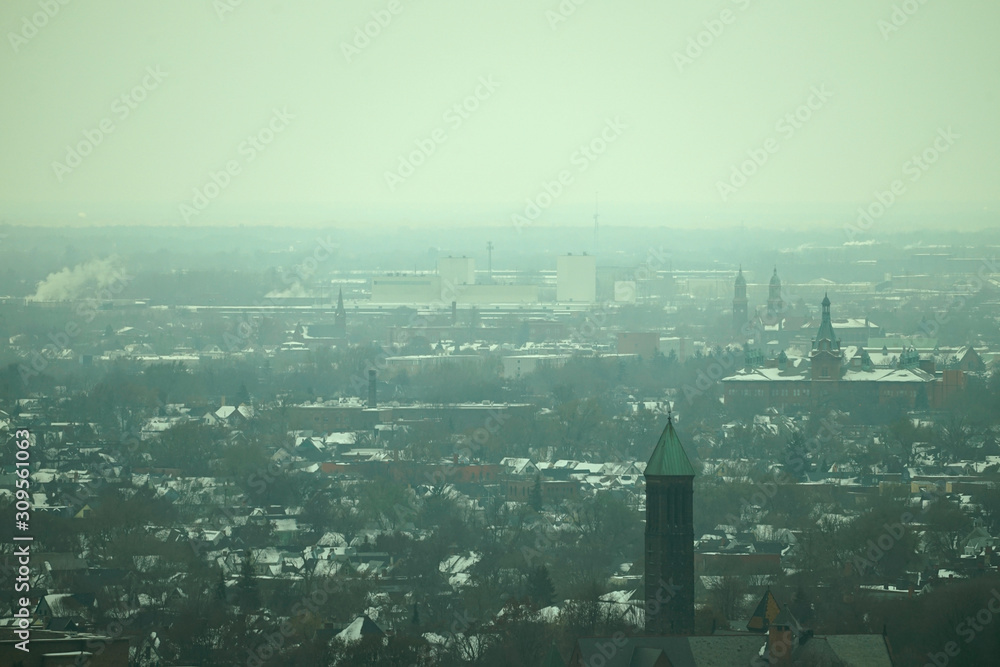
<point x="283" y="110"/>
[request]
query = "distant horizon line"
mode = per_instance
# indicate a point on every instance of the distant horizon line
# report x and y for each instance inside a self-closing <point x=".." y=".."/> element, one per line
<point x="892" y="228"/>
<point x="964" y="217"/>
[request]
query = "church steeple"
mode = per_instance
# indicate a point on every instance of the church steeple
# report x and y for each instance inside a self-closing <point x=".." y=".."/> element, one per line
<point x="826" y="357"/>
<point x="775" y="304"/>
<point x="340" y="316"/>
<point x="825" y="333"/>
<point x="669" y="576"/>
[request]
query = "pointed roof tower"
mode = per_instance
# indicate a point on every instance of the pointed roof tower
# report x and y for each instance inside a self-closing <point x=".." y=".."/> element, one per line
<point x="775" y="304"/>
<point x="669" y="459"/>
<point x="340" y="315"/>
<point x="669" y="537"/>
<point x="826" y="325"/>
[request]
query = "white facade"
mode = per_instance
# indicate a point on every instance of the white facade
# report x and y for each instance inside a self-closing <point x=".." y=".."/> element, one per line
<point x="576" y="278"/>
<point x="625" y="291"/>
<point x="457" y="270"/>
<point x="514" y="366"/>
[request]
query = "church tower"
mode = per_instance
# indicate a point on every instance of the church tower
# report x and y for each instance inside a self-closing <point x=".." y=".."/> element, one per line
<point x="669" y="576"/>
<point x="740" y="307"/>
<point x="775" y="305"/>
<point x="826" y="357"/>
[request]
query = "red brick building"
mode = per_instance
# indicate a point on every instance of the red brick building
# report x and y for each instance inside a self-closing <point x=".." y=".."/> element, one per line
<point x="841" y="376"/>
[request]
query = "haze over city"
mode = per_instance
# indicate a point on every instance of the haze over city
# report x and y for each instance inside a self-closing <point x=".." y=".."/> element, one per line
<point x="692" y="92"/>
<point x="559" y="334"/>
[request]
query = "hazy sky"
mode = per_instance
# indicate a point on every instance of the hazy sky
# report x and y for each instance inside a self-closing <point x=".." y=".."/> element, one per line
<point x="667" y="120"/>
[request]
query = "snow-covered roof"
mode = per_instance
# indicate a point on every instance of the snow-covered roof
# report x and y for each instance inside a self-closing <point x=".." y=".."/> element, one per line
<point x="359" y="628"/>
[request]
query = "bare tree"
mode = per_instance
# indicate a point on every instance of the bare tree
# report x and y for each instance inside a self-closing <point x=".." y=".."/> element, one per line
<point x="727" y="595"/>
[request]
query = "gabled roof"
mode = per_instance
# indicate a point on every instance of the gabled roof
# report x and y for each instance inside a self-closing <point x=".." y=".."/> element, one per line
<point x="360" y="628"/>
<point x="669" y="459"/>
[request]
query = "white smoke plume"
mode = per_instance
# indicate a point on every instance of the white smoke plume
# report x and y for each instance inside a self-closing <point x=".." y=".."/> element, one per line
<point x="296" y="291"/>
<point x="80" y="282"/>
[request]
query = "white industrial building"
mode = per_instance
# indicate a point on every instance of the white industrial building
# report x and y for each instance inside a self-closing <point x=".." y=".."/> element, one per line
<point x="457" y="270"/>
<point x="576" y="279"/>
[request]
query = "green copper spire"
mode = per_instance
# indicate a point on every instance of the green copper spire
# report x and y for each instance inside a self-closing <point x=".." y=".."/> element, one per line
<point x="668" y="458"/>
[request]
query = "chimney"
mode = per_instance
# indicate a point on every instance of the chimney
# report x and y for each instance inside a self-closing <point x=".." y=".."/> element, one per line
<point x="454" y="313"/>
<point x="372" y="402"/>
